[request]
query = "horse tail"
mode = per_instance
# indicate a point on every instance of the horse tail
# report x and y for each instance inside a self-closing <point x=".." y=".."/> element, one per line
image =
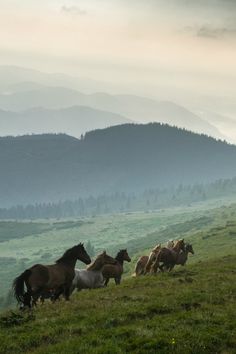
<point x="18" y="286"/>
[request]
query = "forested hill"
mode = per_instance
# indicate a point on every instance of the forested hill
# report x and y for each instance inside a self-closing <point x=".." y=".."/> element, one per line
<point x="44" y="168"/>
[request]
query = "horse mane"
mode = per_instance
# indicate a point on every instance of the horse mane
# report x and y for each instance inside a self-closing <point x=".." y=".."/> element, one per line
<point x="67" y="255"/>
<point x="119" y="254"/>
<point x="92" y="265"/>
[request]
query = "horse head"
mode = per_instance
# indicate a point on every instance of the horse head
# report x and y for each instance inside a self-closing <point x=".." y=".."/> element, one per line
<point x="189" y="248"/>
<point x="82" y="255"/>
<point x="124" y="254"/>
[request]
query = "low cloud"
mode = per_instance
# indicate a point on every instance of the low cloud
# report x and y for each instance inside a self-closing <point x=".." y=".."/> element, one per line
<point x="207" y="31"/>
<point x="73" y="10"/>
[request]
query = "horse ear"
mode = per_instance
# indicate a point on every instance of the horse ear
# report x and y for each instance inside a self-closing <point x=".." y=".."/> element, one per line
<point x="104" y="252"/>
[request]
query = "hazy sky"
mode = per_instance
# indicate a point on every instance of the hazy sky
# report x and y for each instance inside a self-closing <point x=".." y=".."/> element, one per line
<point x="187" y="45"/>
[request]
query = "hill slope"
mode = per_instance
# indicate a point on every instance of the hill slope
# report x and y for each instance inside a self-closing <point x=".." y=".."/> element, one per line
<point x="188" y="311"/>
<point x="123" y="158"/>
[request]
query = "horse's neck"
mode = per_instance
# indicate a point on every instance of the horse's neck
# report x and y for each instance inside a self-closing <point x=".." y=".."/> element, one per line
<point x="119" y="259"/>
<point x="69" y="262"/>
<point x="182" y="257"/>
<point x="176" y="249"/>
<point x="95" y="266"/>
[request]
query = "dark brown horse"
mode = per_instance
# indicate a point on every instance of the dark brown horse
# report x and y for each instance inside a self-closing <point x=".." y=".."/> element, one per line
<point x="182" y="257"/>
<point x="55" y="278"/>
<point x="115" y="270"/>
<point x="168" y="256"/>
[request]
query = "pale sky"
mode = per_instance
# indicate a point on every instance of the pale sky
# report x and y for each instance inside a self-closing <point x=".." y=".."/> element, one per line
<point x="177" y="45"/>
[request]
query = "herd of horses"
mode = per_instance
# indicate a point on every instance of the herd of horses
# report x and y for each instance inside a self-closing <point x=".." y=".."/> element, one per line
<point x="51" y="281"/>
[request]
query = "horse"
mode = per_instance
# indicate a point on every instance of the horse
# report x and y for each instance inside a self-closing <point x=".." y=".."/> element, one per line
<point x="182" y="256"/>
<point x="116" y="270"/>
<point x="144" y="263"/>
<point x="92" y="277"/>
<point x="55" y="278"/>
<point x="168" y="256"/>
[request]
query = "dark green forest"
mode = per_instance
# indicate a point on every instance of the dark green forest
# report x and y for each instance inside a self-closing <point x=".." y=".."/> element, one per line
<point x="121" y="202"/>
<point x="127" y="159"/>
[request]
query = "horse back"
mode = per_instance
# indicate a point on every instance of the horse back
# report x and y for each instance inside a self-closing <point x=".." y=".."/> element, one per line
<point x="166" y="255"/>
<point x="112" y="270"/>
<point x="49" y="276"/>
<point x="39" y="276"/>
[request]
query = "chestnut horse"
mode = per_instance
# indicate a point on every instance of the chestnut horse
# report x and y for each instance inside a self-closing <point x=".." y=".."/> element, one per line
<point x="56" y="278"/>
<point x="168" y="256"/>
<point x="144" y="263"/>
<point x="116" y="270"/>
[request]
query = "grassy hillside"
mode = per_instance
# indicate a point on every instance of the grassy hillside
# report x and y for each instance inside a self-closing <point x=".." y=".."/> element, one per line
<point x="211" y="230"/>
<point x="191" y="310"/>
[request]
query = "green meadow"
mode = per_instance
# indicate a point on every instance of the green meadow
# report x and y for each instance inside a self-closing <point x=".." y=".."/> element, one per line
<point x="190" y="310"/>
<point x="23" y="244"/>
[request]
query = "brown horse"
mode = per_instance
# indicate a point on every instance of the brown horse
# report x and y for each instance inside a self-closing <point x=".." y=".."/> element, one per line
<point x="182" y="256"/>
<point x="100" y="261"/>
<point x="55" y="278"/>
<point x="115" y="270"/>
<point x="144" y="263"/>
<point x="168" y="256"/>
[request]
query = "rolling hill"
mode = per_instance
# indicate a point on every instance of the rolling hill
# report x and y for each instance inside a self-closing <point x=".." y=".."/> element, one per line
<point x="125" y="158"/>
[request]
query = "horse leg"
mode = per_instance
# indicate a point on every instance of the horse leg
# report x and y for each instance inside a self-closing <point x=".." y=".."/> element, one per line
<point x="27" y="299"/>
<point x="56" y="295"/>
<point x="161" y="267"/>
<point x="106" y="281"/>
<point x="35" y="296"/>
<point x="67" y="293"/>
<point x="171" y="267"/>
<point x="155" y="266"/>
<point x="117" y="280"/>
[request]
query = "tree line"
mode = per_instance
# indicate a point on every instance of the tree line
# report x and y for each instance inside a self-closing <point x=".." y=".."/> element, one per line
<point x="122" y="202"/>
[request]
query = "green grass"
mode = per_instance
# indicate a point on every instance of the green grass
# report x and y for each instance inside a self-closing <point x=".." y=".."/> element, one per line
<point x="24" y="244"/>
<point x="191" y="310"/>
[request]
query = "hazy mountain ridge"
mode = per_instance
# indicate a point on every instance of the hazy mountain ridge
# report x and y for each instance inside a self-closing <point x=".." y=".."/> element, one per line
<point x="75" y="120"/>
<point x="128" y="106"/>
<point x="49" y="168"/>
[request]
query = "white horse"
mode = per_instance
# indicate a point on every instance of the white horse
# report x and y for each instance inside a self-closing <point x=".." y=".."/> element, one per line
<point x="92" y="278"/>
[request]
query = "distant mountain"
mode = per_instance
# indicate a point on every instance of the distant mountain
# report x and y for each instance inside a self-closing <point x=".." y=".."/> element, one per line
<point x="29" y="95"/>
<point x="224" y="123"/>
<point x="14" y="78"/>
<point x="128" y="158"/>
<point x="73" y="121"/>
